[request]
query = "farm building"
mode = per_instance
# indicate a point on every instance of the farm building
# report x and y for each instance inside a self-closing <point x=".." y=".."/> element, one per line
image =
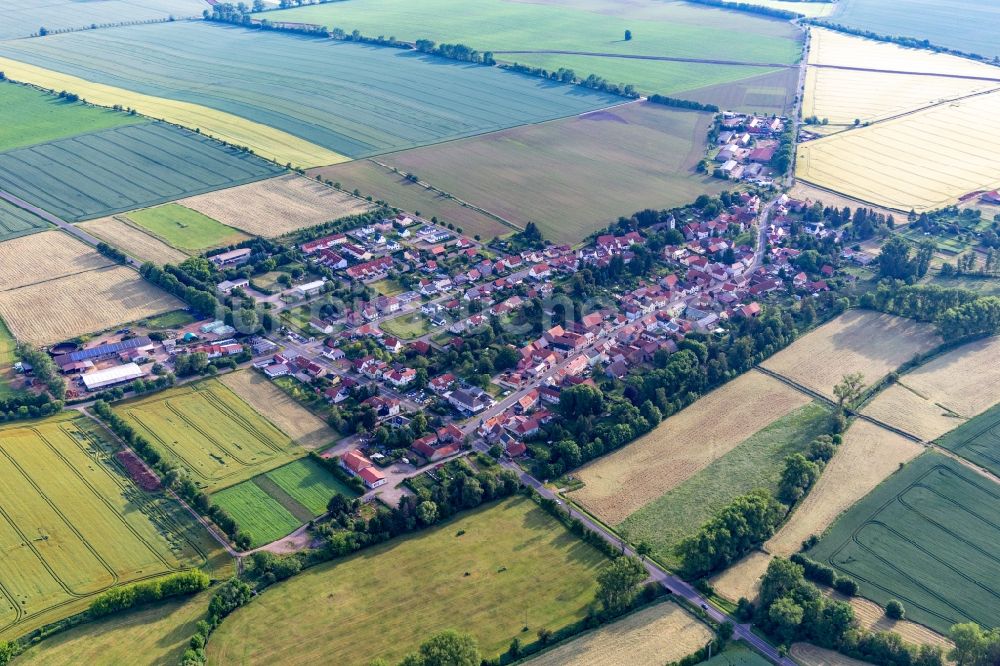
<point x="309" y="288"/>
<point x="95" y="381"/>
<point x="356" y="463"/>
<point x="232" y="258"/>
<point x="78" y="360"/>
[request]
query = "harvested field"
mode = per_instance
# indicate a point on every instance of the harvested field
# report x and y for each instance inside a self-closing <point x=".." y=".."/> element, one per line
<point x="369" y="179"/>
<point x="185" y="229"/>
<point x="73" y="524"/>
<point x="755" y="463"/>
<point x="872" y="616"/>
<point x="642" y="156"/>
<point x="518" y="559"/>
<point x="621" y="483"/>
<point x="867" y="456"/>
<point x="654" y="636"/>
<point x="743" y="578"/>
<point x="209" y="430"/>
<point x="132" y="241"/>
<point x="277" y="206"/>
<point x="900" y="407"/>
<point x="121" y="169"/>
<point x="856" y="341"/>
<point x="353" y="99"/>
<point x="90" y="302"/>
<point x="16" y="222"/>
<point x="304" y="427"/>
<point x="773" y="92"/>
<point x="807" y="654"/>
<point x="924" y="536"/>
<point x="45" y="256"/>
<point x="920" y="161"/>
<point x="977" y="440"/>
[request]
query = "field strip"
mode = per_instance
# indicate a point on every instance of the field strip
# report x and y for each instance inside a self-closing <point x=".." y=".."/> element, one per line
<point x="278" y="494"/>
<point x="266" y="141"/>
<point x="632" y="56"/>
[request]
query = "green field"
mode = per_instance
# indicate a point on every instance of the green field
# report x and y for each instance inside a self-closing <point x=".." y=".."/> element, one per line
<point x="159" y="633"/>
<point x="272" y="505"/>
<point x="353" y="99"/>
<point x="769" y="93"/>
<point x="15" y="222"/>
<point x="953" y="23"/>
<point x="122" y="169"/>
<point x="977" y="440"/>
<point x="207" y="429"/>
<point x="513" y="565"/>
<point x="571" y="176"/>
<point x="8" y="345"/>
<point x="927" y="536"/>
<point x="175" y="319"/>
<point x="185" y="229"/>
<point x="754" y="463"/>
<point x="73" y="524"/>
<point x="670" y="29"/>
<point x="737" y="655"/>
<point x="407" y="326"/>
<point x="23" y="20"/>
<point x="29" y="116"/>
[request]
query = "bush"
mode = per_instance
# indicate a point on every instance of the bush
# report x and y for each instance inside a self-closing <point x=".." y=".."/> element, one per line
<point x="129" y="596"/>
<point x="895" y="610"/>
<point x="846" y="586"/>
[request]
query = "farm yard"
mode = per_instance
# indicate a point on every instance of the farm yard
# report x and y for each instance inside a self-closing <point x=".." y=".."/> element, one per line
<point x="755" y="463"/>
<point x="322" y="92"/>
<point x="977" y="440"/>
<point x="24" y="20"/>
<point x="74" y="525"/>
<point x="16" y="222"/>
<point x="117" y="231"/>
<point x="857" y="341"/>
<point x="277" y="206"/>
<point x="302" y="426"/>
<point x="573" y="175"/>
<point x="185" y="229"/>
<point x="210" y="431"/>
<point x="370" y="179"/>
<point x="120" y="169"/>
<point x="518" y="560"/>
<point x="653" y="636"/>
<point x="621" y="483"/>
<point x="924" y="537"/>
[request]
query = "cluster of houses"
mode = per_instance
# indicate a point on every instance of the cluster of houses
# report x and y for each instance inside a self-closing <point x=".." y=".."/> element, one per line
<point x="746" y="145"/>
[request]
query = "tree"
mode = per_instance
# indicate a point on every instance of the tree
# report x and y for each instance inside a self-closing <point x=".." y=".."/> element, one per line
<point x="797" y="478"/>
<point x="427" y="512"/>
<point x="448" y="648"/>
<point x="894" y="609"/>
<point x="618" y="584"/>
<point x="971" y="644"/>
<point x="786" y="616"/>
<point x="643" y="549"/>
<point x="849" y="389"/>
<point x="894" y="260"/>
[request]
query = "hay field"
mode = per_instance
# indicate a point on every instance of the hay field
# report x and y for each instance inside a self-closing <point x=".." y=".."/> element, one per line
<point x="623" y="482"/>
<point x="856" y="341"/>
<point x="872" y="616"/>
<point x="208" y="429"/>
<point x="304" y="427"/>
<point x="867" y="456"/>
<point x="573" y="175"/>
<point x="134" y="242"/>
<point x="518" y="558"/>
<point x="920" y="161"/>
<point x="73" y="524"/>
<point x="45" y="256"/>
<point x="808" y="654"/>
<point x="268" y="142"/>
<point x="277" y="206"/>
<point x="49" y="312"/>
<point x="924" y="536"/>
<point x="654" y="636"/>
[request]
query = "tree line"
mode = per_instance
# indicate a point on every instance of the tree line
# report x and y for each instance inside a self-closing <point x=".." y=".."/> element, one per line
<point x="682" y="103"/>
<point x="958" y="313"/>
<point x="750" y="8"/>
<point x="564" y="75"/>
<point x="909" y="42"/>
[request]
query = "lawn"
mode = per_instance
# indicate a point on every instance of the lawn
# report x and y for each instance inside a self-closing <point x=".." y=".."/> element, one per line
<point x="490" y="572"/>
<point x="298" y="317"/>
<point x="29" y="116"/>
<point x="977" y="440"/>
<point x="572" y="176"/>
<point x="407" y="326"/>
<point x="207" y="429"/>
<point x="268" y="282"/>
<point x="74" y="524"/>
<point x="16" y="222"/>
<point x="755" y="463"/>
<point x="927" y="536"/>
<point x="185" y="229"/>
<point x="352" y="99"/>
<point x="387" y="287"/>
<point x="175" y="319"/>
<point x="124" y="168"/>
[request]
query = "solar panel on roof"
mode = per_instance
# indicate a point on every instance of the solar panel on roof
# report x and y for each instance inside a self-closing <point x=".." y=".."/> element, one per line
<point x="109" y="349"/>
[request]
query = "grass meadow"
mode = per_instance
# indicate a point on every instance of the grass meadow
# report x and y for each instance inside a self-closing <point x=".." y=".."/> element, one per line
<point x="73" y="524"/>
<point x="407" y="326"/>
<point x="926" y="536"/>
<point x="121" y="169"/>
<point x="755" y="463"/>
<point x="207" y="429"/>
<point x="185" y="229"/>
<point x="489" y="572"/>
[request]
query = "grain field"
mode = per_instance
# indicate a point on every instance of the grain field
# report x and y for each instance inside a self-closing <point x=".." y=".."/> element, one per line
<point x="44" y="256"/>
<point x="132" y="241"/>
<point x="810" y="655"/>
<point x="743" y="578"/>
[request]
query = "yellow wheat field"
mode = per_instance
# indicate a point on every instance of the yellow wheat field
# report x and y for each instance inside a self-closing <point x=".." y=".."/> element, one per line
<point x="44" y="256"/>
<point x="132" y="241"/>
<point x="302" y="426"/>
<point x="856" y="341"/>
<point x="867" y="456"/>
<point x="808" y="654"/>
<point x="920" y="161"/>
<point x="277" y="206"/>
<point x="657" y="635"/>
<point x="60" y="309"/>
<point x="628" y="479"/>
<point x="266" y="141"/>
<point x="743" y="578"/>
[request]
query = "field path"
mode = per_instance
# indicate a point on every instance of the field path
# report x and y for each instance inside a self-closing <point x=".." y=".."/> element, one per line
<point x="706" y="61"/>
<point x="941" y="75"/>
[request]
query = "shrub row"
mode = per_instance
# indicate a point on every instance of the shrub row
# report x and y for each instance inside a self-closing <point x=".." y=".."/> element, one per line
<point x="129" y="596"/>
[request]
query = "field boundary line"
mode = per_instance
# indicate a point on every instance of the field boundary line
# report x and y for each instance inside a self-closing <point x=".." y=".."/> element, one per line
<point x="902" y="72"/>
<point x="632" y="56"/>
